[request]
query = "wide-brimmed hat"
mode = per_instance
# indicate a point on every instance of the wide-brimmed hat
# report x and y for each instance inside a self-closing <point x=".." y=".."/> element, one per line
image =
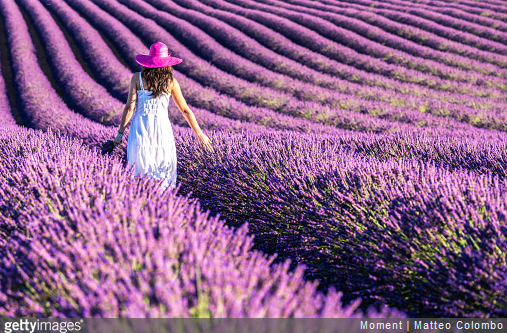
<point x="159" y="57"/>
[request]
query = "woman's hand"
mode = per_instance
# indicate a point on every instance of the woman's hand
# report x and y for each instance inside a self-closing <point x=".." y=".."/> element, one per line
<point x="205" y="142"/>
<point x="118" y="139"/>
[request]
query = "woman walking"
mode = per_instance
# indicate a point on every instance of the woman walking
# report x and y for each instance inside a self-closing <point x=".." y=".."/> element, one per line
<point x="151" y="148"/>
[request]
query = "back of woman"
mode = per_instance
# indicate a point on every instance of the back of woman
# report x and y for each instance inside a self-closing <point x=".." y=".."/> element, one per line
<point x="151" y="147"/>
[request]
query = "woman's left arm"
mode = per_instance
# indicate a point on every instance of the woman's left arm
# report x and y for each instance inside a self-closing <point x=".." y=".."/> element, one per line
<point x="129" y="107"/>
<point x="180" y="102"/>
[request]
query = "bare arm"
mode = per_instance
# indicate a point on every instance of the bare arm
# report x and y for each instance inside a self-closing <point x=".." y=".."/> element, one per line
<point x="128" y="111"/>
<point x="180" y="102"/>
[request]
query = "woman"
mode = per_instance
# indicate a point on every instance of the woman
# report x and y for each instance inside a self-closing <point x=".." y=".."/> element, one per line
<point x="151" y="145"/>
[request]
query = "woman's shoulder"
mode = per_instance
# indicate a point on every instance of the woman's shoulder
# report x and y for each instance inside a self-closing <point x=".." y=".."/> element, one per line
<point x="134" y="80"/>
<point x="135" y="77"/>
<point x="172" y="85"/>
<point x="175" y="85"/>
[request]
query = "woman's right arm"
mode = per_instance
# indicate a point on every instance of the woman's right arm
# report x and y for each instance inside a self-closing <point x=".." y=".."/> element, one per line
<point x="129" y="107"/>
<point x="180" y="102"/>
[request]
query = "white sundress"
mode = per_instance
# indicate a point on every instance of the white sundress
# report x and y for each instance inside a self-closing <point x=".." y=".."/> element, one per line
<point x="151" y="147"/>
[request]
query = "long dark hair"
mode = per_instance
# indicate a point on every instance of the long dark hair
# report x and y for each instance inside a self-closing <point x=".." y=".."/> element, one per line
<point x="158" y="79"/>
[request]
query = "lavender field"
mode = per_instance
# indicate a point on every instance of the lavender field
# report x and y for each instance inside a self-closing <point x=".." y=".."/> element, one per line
<point x="359" y="169"/>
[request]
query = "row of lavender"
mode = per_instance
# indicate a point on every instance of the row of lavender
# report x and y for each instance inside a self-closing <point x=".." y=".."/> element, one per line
<point x="92" y="257"/>
<point x="6" y="118"/>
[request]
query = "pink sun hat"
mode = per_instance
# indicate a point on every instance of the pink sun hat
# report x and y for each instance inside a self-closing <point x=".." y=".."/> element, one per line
<point x="159" y="57"/>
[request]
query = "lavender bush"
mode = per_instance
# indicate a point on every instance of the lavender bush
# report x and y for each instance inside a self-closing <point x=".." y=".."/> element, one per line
<point x="119" y="250"/>
<point x="387" y="231"/>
